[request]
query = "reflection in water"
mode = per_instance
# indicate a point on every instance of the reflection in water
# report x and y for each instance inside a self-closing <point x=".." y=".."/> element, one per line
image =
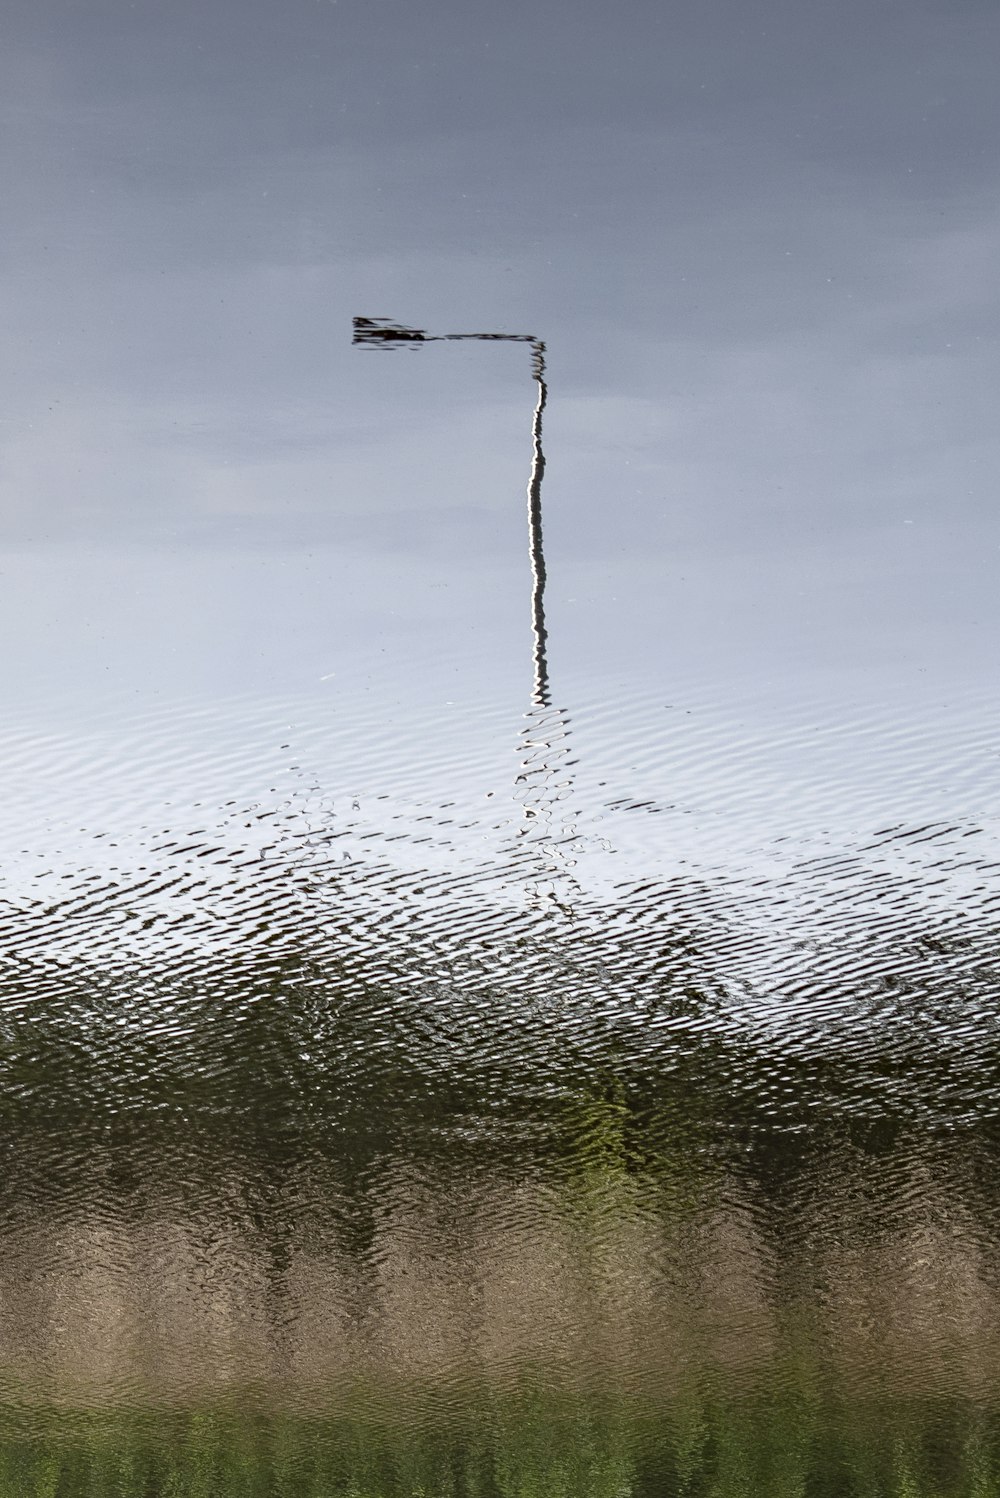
<point x="379" y="332"/>
<point x="540" y="694"/>
<point x="348" y="1175"/>
<point x="544" y="860"/>
<point x="396" y="1150"/>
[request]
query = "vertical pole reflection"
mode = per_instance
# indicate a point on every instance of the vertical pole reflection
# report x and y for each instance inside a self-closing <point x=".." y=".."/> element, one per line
<point x="379" y="332"/>
<point x="540" y="695"/>
<point x="542" y="780"/>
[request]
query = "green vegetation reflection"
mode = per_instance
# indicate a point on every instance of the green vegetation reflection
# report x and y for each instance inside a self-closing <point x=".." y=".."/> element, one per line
<point x="526" y="1446"/>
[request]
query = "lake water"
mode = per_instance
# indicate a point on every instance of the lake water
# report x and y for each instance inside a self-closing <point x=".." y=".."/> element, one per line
<point x="499" y="852"/>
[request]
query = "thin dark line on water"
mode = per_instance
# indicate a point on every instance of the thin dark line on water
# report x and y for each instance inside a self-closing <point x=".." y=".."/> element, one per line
<point x="541" y="694"/>
<point x="380" y="332"/>
<point x="545" y="774"/>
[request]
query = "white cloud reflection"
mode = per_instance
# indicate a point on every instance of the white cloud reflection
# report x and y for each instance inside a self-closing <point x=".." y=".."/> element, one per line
<point x="761" y="251"/>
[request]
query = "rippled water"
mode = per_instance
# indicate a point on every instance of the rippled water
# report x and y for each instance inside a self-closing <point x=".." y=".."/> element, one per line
<point x="482" y="1015"/>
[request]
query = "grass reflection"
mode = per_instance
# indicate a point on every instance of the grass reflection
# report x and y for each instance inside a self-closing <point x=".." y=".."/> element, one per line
<point x="315" y="1231"/>
<point x="531" y="1445"/>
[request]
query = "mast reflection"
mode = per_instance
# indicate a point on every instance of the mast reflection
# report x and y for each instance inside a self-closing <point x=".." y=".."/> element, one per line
<point x="543" y="781"/>
<point x="379" y="332"/>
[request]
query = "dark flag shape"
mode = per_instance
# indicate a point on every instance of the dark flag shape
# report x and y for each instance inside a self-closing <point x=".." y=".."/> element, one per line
<point x="377" y="332"/>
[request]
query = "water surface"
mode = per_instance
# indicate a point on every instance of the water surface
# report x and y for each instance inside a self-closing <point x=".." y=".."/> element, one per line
<point x="459" y="1038"/>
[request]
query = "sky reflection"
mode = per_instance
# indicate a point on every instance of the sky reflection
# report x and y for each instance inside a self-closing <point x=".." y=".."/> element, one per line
<point x="760" y="250"/>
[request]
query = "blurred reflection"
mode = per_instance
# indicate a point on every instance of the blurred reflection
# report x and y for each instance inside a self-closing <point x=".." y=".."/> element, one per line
<point x="338" y="1156"/>
<point x="379" y="332"/>
<point x="545" y="861"/>
<point x="367" y="1128"/>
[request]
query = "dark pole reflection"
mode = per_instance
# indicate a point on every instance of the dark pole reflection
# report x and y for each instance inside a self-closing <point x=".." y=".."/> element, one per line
<point x="379" y="332"/>
<point x="540" y="695"/>
<point x="544" y="774"/>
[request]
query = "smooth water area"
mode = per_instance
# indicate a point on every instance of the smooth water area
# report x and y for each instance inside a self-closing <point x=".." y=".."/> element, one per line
<point x="500" y="837"/>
